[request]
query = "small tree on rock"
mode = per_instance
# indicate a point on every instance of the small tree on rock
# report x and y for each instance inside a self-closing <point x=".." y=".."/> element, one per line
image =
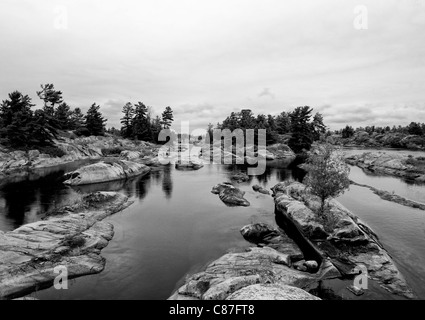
<point x="327" y="173"/>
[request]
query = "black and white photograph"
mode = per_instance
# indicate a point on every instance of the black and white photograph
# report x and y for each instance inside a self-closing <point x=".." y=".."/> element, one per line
<point x="237" y="151"/>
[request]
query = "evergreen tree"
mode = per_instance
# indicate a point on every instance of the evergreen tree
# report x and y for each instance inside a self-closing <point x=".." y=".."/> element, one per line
<point x="271" y="130"/>
<point x="140" y="124"/>
<point x="415" y="129"/>
<point x="283" y="123"/>
<point x="51" y="97"/>
<point x="63" y="116"/>
<point x="302" y="135"/>
<point x="167" y="118"/>
<point x="231" y="122"/>
<point x="347" y="132"/>
<point x="156" y="128"/>
<point x="16" y="118"/>
<point x="95" y="123"/>
<point x="126" y="120"/>
<point x="42" y="132"/>
<point x="318" y="126"/>
<point x="247" y="120"/>
<point x="76" y="119"/>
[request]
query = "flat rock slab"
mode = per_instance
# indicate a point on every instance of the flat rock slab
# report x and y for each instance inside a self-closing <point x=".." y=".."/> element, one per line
<point x="105" y="172"/>
<point x="265" y="272"/>
<point x="73" y="239"/>
<point x="235" y="271"/>
<point x="271" y="292"/>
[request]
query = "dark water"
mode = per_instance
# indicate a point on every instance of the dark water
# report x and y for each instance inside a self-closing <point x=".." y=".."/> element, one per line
<point x="176" y="226"/>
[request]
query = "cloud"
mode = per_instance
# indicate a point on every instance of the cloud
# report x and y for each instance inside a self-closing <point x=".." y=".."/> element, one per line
<point x="208" y="58"/>
<point x="266" y="93"/>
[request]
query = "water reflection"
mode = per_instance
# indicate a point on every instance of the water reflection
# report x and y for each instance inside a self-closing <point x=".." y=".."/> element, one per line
<point x="167" y="182"/>
<point x="22" y="198"/>
<point x="27" y="201"/>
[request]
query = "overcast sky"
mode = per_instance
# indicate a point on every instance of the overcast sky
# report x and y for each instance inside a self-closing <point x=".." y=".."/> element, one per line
<point x="207" y="58"/>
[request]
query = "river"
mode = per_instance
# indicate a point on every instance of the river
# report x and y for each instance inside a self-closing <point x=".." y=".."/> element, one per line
<point x="176" y="225"/>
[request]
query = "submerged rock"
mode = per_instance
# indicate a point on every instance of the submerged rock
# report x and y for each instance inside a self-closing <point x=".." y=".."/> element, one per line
<point x="73" y="239"/>
<point x="240" y="177"/>
<point x="260" y="189"/>
<point x="104" y="172"/>
<point x="385" y="195"/>
<point x="230" y="195"/>
<point x="189" y="165"/>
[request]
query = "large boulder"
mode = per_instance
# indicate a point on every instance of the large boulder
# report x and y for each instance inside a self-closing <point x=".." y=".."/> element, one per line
<point x="131" y="155"/>
<point x="235" y="271"/>
<point x="350" y="244"/>
<point x="73" y="238"/>
<point x="258" y="232"/>
<point x="263" y="234"/>
<point x="104" y="172"/>
<point x="189" y="165"/>
<point x="260" y="189"/>
<point x="230" y="195"/>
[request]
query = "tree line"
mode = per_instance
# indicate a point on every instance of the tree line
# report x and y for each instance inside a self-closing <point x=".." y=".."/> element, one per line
<point x="21" y="127"/>
<point x="301" y="127"/>
<point x="25" y="128"/>
<point x="137" y="122"/>
<point x="414" y="128"/>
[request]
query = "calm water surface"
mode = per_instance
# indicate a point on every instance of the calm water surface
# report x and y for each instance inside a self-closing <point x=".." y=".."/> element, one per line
<point x="176" y="225"/>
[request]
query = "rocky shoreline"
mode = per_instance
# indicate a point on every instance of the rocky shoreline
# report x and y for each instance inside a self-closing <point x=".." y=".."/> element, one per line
<point x="279" y="268"/>
<point x="349" y="242"/>
<point x="72" y="237"/>
<point x="19" y="165"/>
<point x="400" y="165"/>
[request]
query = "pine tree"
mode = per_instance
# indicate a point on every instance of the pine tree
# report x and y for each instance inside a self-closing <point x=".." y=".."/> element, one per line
<point x="167" y="118"/>
<point x="283" y="123"/>
<point x="51" y="97"/>
<point x="16" y="117"/>
<point x="126" y="120"/>
<point x="63" y="116"/>
<point x="76" y="119"/>
<point x="156" y="128"/>
<point x="42" y="132"/>
<point x="95" y="123"/>
<point x="140" y="124"/>
<point x="318" y="126"/>
<point x="302" y="135"/>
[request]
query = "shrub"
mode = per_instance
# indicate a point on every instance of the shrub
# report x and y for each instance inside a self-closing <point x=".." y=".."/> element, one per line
<point x="116" y="151"/>
<point x="53" y="151"/>
<point x="327" y="173"/>
<point x="82" y="132"/>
